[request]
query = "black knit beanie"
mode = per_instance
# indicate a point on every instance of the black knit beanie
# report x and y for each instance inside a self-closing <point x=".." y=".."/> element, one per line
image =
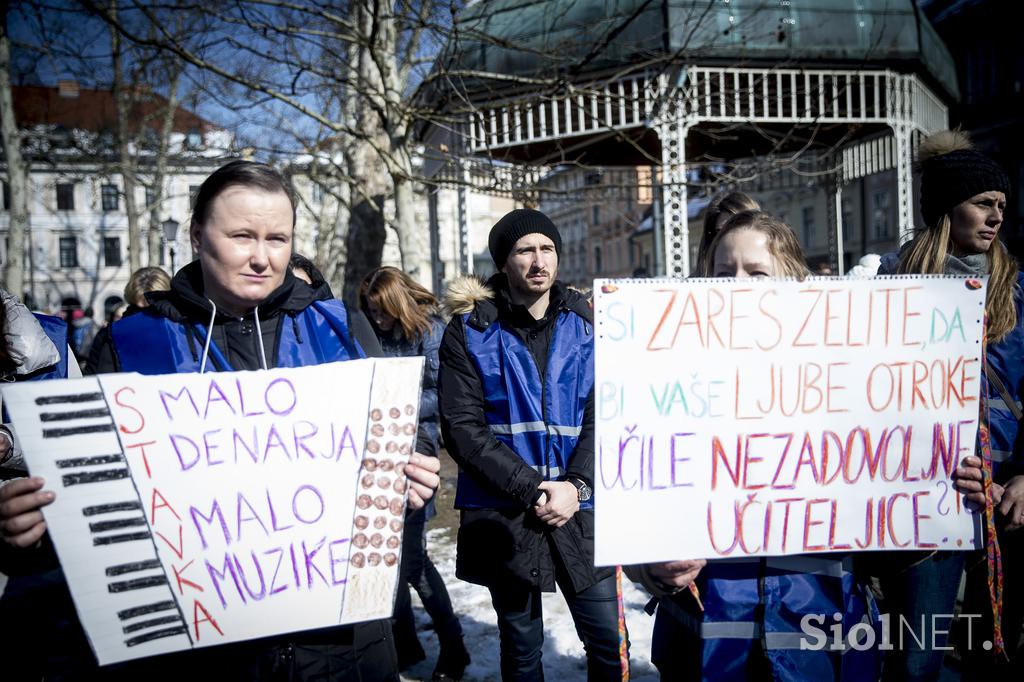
<point x="515" y="225"/>
<point x="951" y="179"/>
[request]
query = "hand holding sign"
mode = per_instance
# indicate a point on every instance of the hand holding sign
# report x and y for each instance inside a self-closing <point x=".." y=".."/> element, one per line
<point x="422" y="471"/>
<point x="21" y="518"/>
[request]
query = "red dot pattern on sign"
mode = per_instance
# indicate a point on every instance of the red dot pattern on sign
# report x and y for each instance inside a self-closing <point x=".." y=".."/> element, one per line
<point x="389" y="439"/>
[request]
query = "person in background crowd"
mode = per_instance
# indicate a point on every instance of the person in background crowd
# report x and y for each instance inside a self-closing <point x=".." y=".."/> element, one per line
<point x="517" y="414"/>
<point x="308" y="272"/>
<point x="141" y="282"/>
<point x="749" y="627"/>
<point x="963" y="198"/>
<point x="405" y="317"/>
<point x="716" y="215"/>
<point x="81" y="328"/>
<point x="236" y="307"/>
<point x="33" y="610"/>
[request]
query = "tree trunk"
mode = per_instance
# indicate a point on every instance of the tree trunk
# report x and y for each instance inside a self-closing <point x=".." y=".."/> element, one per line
<point x="410" y="237"/>
<point x="367" y="230"/>
<point x="156" y="232"/>
<point x="17" y="173"/>
<point x="127" y="162"/>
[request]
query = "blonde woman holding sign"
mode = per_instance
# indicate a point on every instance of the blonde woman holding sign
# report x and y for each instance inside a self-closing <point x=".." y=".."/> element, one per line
<point x="963" y="197"/>
<point x="743" y="619"/>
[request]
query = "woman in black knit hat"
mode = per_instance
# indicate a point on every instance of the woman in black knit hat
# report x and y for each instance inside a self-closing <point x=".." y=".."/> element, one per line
<point x="963" y="197"/>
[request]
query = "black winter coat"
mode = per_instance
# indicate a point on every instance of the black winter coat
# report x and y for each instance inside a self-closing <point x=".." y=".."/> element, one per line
<point x="510" y="546"/>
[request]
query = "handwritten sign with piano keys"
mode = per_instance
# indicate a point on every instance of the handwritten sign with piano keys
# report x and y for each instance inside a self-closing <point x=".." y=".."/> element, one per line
<point x="195" y="510"/>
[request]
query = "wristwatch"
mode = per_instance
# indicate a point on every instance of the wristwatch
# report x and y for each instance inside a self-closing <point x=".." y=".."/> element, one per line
<point x="583" y="491"/>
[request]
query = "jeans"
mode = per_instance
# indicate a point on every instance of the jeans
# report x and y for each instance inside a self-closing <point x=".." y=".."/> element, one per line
<point x="521" y="628"/>
<point x="927" y="588"/>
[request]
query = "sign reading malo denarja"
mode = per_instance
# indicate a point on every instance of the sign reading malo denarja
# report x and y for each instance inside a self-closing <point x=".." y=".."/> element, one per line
<point x="767" y="417"/>
<point x="194" y="510"/>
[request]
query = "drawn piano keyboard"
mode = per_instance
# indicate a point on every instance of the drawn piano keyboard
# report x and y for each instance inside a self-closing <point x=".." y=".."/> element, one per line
<point x="98" y="519"/>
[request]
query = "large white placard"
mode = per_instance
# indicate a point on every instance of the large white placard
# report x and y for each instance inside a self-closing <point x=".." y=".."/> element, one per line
<point x="751" y="418"/>
<point x="194" y="510"/>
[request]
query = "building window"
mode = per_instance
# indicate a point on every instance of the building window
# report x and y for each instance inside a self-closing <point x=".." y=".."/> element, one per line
<point x="847" y="215"/>
<point x="69" y="252"/>
<point x="596" y="215"/>
<point x="108" y="197"/>
<point x="592" y="179"/>
<point x="880" y="215"/>
<point x="150" y="197"/>
<point x="808" y="225"/>
<point x="7" y="197"/>
<point x="193" y="192"/>
<point x="193" y="140"/>
<point x="597" y="260"/>
<point x="318" y="193"/>
<point x="112" y="252"/>
<point x="65" y="196"/>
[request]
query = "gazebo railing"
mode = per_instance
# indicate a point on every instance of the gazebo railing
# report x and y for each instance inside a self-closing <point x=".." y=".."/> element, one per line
<point x="713" y="94"/>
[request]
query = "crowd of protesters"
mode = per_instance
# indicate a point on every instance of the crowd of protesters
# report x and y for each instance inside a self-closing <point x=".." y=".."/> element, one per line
<point x="508" y="390"/>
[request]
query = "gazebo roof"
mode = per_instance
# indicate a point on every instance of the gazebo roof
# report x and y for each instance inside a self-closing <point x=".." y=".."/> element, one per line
<point x="500" y="45"/>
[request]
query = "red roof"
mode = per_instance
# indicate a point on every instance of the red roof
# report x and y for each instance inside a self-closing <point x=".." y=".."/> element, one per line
<point x="94" y="110"/>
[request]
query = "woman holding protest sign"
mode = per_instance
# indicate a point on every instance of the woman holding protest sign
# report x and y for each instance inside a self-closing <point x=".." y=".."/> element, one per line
<point x="238" y="307"/>
<point x="747" y="619"/>
<point x="963" y="197"/>
<point x="405" y="317"/>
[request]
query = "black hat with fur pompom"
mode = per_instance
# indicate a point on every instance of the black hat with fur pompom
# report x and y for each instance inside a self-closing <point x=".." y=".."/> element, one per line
<point x="952" y="172"/>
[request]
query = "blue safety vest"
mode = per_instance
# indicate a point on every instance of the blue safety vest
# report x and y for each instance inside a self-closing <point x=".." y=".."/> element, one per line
<point x="755" y="607"/>
<point x="539" y="420"/>
<point x="57" y="331"/>
<point x="153" y="344"/>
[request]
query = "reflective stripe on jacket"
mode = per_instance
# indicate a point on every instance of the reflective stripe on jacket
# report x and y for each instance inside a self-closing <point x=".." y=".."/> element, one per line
<point x="754" y="608"/>
<point x="538" y="420"/>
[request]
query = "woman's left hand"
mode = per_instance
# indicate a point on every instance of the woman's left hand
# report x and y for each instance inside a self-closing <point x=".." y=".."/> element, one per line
<point x="1012" y="504"/>
<point x="422" y="471"/>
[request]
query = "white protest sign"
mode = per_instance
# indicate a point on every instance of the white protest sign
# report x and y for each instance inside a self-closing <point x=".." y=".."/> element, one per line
<point x="753" y="418"/>
<point x="194" y="510"/>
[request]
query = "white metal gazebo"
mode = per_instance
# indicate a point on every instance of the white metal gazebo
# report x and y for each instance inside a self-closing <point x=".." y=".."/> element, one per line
<point x="672" y="82"/>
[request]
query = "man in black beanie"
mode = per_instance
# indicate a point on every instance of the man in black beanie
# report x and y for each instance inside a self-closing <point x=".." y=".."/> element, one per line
<point x="516" y="389"/>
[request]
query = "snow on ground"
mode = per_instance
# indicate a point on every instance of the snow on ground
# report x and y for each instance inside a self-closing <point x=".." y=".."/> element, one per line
<point x="563" y="658"/>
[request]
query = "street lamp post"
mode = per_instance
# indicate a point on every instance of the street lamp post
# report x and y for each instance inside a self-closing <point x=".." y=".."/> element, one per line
<point x="170" y="227"/>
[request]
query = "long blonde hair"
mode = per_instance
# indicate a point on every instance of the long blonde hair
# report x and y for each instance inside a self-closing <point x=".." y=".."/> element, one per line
<point x="400" y="296"/>
<point x="927" y="253"/>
